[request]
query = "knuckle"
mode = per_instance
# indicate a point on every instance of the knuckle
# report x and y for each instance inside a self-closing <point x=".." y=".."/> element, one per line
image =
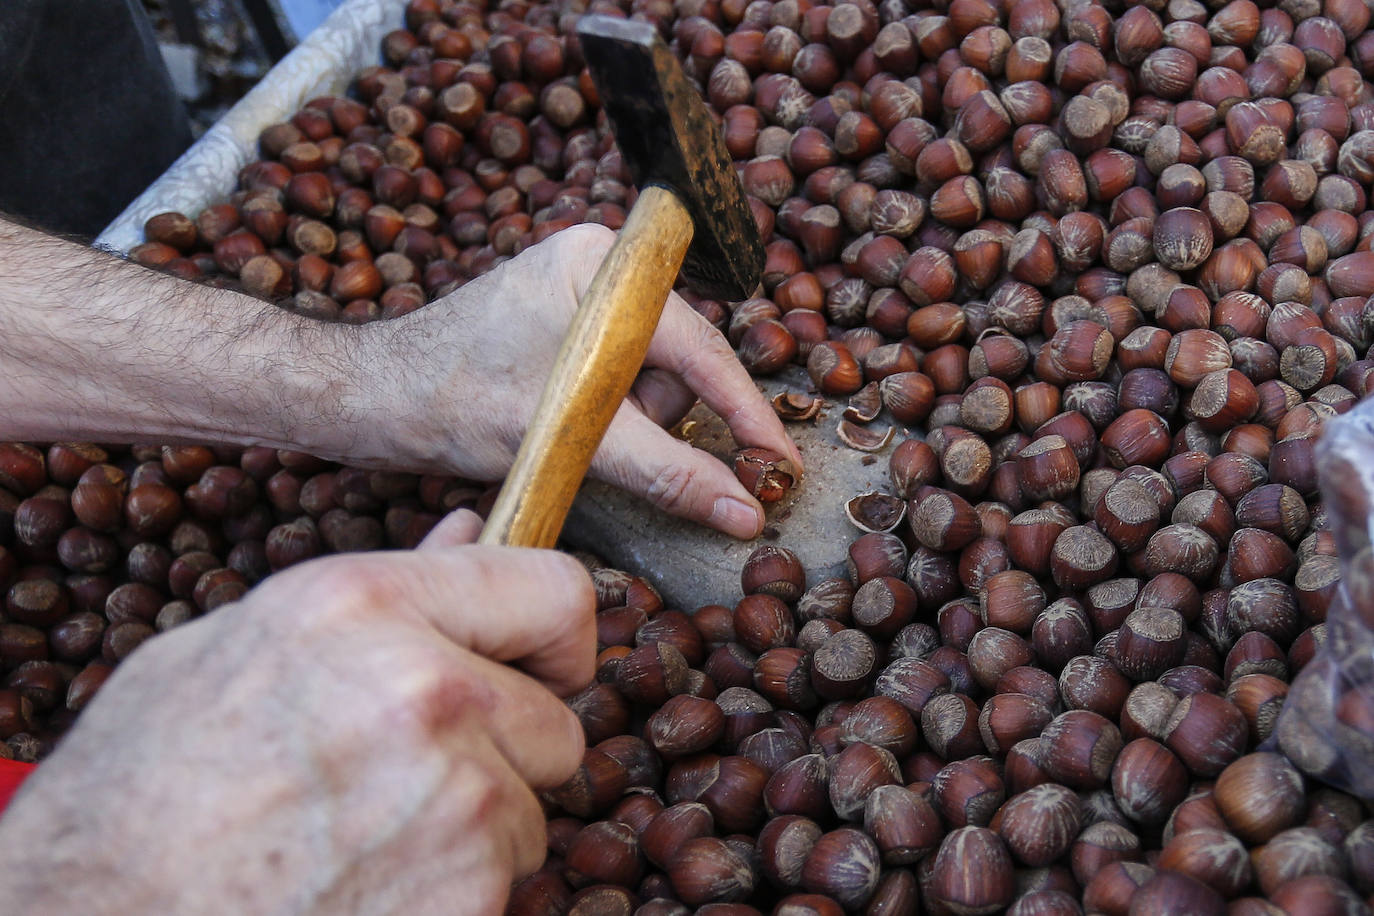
<point x="562" y="745"/>
<point x="582" y="651"/>
<point x="671" y="489"/>
<point x="586" y="238"/>
<point x="480" y="793"/>
<point x="298" y="601"/>
<point x="500" y="809"/>
<point x="435" y="696"/>
<point x="710" y="352"/>
<point x="711" y="339"/>
<point x="354" y="586"/>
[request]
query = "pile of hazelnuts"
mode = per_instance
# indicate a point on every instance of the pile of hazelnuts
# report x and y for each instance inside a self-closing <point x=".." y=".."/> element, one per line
<point x="1115" y="261"/>
<point x="103" y="548"/>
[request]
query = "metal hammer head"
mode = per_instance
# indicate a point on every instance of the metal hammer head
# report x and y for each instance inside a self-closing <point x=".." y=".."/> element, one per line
<point x="667" y="137"/>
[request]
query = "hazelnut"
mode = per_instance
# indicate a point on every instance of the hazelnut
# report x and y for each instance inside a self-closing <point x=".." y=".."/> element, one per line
<point x="783" y="676"/>
<point x="1082" y="557"/>
<point x="767" y="475"/>
<point x="854" y="773"/>
<point x="834" y="369"/>
<point x="843" y="665"/>
<point x="1023" y="766"/>
<point x="1031" y="537"/>
<point x="882" y="722"/>
<point x="943" y="521"/>
<point x="873" y="555"/>
<point x="651" y="674"/>
<point x="762" y="621"/>
<point x="1040" y="824"/>
<point x="1114" y="886"/>
<point x="1185" y="549"/>
<point x="1173" y="891"/>
<point x="1138" y="436"/>
<point x="1315" y="893"/>
<point x="1080" y="748"/>
<point x="1148" y="781"/>
<point x="684" y="725"/>
<point x="606" y="852"/>
<point x="1047" y="469"/>
<point x="883" y="605"/>
<point x="1094" y="684"/>
<point x="1099" y="845"/>
<point x="783" y="846"/>
<point x="707" y="869"/>
<point x="949" y="724"/>
<point x="1292" y="855"/>
<point x="1127" y="514"/>
<point x="1061" y="632"/>
<point x="844" y="864"/>
<point x="993" y="651"/>
<point x="968" y="792"/>
<point x="1206" y="732"/>
<point x="1151" y="641"/>
<point x="1260" y="795"/>
<point x="1182" y="238"/>
<point x="902" y="823"/>
<point x="972" y="872"/>
<point x="800" y="787"/>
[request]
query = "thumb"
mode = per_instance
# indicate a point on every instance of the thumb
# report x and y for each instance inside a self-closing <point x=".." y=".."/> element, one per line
<point x="462" y="526"/>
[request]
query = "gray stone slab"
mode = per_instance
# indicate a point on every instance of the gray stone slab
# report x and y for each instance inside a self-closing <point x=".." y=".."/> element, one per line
<point x="692" y="565"/>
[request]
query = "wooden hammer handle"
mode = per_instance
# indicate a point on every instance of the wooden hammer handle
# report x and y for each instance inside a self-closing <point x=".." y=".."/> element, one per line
<point x="600" y="357"/>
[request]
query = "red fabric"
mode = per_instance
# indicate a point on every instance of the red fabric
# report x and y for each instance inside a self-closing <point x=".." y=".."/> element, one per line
<point x="12" y="774"/>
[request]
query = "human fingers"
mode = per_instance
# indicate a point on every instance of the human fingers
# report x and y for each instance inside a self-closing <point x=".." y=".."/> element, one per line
<point x="531" y="728"/>
<point x="688" y="346"/>
<point x="685" y="345"/>
<point x="459" y="527"/>
<point x="637" y="455"/>
<point x="534" y="609"/>
<point x="510" y="816"/>
<point x="471" y="639"/>
<point x="493" y="821"/>
<point x="475" y="831"/>
<point x="531" y="608"/>
<point x="662" y="397"/>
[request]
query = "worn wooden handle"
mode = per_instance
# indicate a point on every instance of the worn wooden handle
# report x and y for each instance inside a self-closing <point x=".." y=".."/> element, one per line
<point x="598" y="362"/>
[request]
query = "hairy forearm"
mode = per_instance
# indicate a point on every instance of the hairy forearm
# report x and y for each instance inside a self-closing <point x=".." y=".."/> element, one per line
<point x="95" y="348"/>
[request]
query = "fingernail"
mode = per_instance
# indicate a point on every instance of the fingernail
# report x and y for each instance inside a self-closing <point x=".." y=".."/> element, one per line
<point x="735" y="516"/>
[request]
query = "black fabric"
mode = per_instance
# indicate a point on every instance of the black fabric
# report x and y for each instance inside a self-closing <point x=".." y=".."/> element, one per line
<point x="88" y="115"/>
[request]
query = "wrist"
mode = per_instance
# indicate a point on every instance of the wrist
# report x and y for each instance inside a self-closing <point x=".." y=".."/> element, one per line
<point x="104" y="350"/>
<point x="376" y="411"/>
<point x="422" y="394"/>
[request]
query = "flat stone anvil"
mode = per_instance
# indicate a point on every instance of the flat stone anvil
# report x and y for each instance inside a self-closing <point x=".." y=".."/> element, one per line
<point x="692" y="565"/>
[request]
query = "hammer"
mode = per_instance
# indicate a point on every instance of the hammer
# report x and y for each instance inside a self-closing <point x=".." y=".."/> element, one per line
<point x="690" y="215"/>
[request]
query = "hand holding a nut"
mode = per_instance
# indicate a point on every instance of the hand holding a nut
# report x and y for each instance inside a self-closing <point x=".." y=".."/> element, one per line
<point x="466" y="373"/>
<point x="113" y="352"/>
<point x="354" y="736"/>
